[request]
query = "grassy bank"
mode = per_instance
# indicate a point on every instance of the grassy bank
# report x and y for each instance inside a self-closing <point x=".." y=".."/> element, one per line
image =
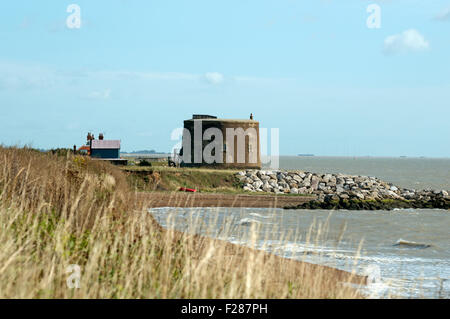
<point x="163" y="178"/>
<point x="62" y="211"/>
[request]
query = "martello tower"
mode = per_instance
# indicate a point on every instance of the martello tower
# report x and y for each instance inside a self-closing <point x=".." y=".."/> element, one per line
<point x="231" y="143"/>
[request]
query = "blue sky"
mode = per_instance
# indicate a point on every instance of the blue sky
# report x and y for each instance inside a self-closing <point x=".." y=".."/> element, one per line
<point x="136" y="69"/>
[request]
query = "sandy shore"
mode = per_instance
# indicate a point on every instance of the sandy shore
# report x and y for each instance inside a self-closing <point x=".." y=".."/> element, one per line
<point x="182" y="199"/>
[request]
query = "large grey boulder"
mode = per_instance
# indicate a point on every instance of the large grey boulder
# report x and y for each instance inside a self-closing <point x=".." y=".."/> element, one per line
<point x="315" y="182"/>
<point x="257" y="184"/>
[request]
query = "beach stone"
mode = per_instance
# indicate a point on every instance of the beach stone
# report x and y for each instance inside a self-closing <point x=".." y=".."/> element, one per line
<point x="331" y="184"/>
<point x="333" y="187"/>
<point x="257" y="184"/>
<point x="326" y="178"/>
<point x="392" y="194"/>
<point x="248" y="180"/>
<point x="273" y="183"/>
<point x="349" y="181"/>
<point x="373" y="195"/>
<point x="331" y="197"/>
<point x="407" y="195"/>
<point x="305" y="183"/>
<point x="359" y="179"/>
<point x="357" y="195"/>
<point x="314" y="182"/>
<point x="344" y="196"/>
<point x="293" y="185"/>
<point x="385" y="185"/>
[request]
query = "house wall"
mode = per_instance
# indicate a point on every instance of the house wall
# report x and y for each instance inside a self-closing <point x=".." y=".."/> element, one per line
<point x="105" y="153"/>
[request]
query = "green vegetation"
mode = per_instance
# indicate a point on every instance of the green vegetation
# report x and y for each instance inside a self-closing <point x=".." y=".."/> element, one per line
<point x="381" y="204"/>
<point x="145" y="163"/>
<point x="164" y="178"/>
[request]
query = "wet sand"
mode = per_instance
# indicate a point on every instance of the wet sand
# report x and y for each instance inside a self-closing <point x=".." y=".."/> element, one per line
<point x="184" y="199"/>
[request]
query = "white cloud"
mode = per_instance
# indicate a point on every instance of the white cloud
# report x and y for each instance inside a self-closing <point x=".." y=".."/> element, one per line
<point x="214" y="77"/>
<point x="100" y="95"/>
<point x="408" y="41"/>
<point x="121" y="75"/>
<point x="444" y="15"/>
<point x="17" y="76"/>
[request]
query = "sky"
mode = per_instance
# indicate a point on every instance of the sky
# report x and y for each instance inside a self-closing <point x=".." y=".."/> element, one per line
<point x="337" y="78"/>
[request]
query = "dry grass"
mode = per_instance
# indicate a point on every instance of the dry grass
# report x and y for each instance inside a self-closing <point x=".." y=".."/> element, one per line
<point x="56" y="212"/>
<point x="171" y="179"/>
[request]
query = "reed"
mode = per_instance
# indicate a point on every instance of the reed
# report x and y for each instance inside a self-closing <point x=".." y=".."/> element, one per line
<point x="62" y="211"/>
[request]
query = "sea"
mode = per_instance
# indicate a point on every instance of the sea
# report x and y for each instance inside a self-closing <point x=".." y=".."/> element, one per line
<point x="405" y="253"/>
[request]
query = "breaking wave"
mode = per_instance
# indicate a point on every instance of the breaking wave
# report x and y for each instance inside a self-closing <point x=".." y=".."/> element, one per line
<point x="410" y="244"/>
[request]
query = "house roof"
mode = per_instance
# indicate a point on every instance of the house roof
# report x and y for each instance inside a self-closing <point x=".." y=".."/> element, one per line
<point x="223" y="120"/>
<point x="105" y="144"/>
<point x="84" y="148"/>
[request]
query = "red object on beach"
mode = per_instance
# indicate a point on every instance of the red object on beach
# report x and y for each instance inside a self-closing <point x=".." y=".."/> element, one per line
<point x="184" y="189"/>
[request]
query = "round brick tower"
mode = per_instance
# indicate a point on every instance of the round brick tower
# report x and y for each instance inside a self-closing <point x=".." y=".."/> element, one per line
<point x="237" y="145"/>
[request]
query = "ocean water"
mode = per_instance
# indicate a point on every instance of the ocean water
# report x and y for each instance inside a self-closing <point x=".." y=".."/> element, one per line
<point x="361" y="241"/>
<point x="414" y="173"/>
<point x="405" y="253"/>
